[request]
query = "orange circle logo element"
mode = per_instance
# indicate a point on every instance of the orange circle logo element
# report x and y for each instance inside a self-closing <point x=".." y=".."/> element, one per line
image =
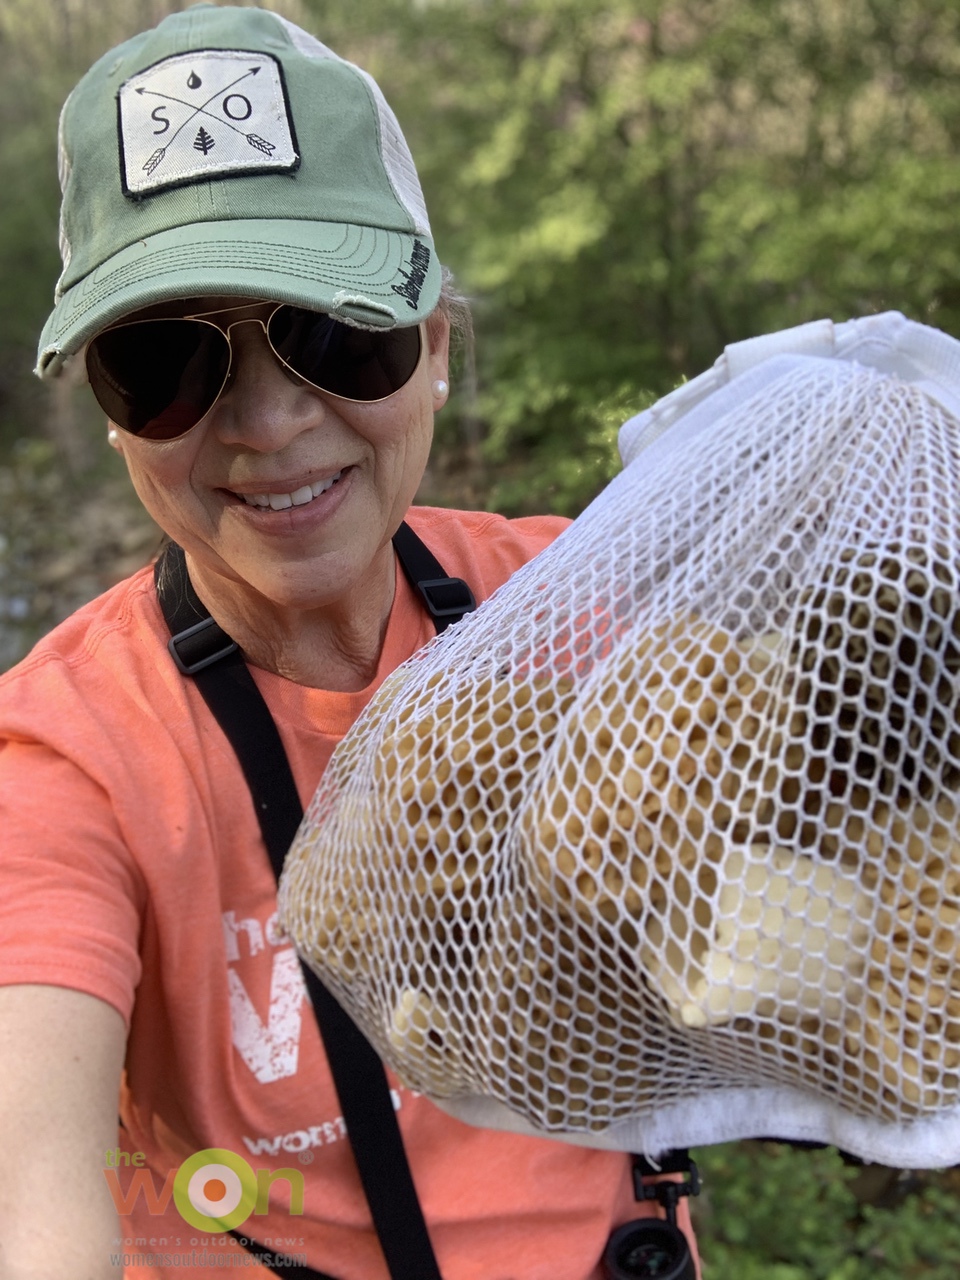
<point x="215" y="1190"/>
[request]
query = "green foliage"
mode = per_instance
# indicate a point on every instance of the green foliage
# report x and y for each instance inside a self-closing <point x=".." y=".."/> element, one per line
<point x="772" y="1212"/>
<point x="30" y="482"/>
<point x="64" y="537"/>
<point x="623" y="186"/>
<point x="626" y="186"/>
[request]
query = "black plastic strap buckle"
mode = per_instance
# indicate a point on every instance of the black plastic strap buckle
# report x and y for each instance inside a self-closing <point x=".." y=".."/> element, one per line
<point x="446" y="597"/>
<point x="667" y="1191"/>
<point x="202" y="645"/>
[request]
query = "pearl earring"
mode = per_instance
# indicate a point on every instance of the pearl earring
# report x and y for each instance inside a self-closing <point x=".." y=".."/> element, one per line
<point x="113" y="438"/>
<point x="440" y="389"/>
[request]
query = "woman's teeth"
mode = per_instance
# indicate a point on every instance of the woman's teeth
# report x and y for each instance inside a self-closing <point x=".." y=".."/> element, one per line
<point x="280" y="501"/>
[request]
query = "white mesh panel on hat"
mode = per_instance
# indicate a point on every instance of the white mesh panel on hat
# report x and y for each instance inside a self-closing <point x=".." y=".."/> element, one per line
<point x="661" y="846"/>
<point x="397" y="159"/>
<point x="63" y="174"/>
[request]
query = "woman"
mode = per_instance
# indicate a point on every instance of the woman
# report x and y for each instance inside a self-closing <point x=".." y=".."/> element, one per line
<point x="249" y="269"/>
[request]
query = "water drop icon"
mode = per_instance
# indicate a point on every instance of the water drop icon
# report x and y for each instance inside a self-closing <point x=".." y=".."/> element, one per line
<point x="194" y="81"/>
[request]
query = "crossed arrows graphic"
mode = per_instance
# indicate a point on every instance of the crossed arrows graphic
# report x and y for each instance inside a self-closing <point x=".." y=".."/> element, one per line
<point x="254" y="139"/>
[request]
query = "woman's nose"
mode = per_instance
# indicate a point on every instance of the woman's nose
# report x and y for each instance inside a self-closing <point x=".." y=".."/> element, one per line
<point x="264" y="404"/>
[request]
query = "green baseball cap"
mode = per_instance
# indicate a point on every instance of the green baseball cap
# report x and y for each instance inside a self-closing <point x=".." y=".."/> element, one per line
<point x="227" y="151"/>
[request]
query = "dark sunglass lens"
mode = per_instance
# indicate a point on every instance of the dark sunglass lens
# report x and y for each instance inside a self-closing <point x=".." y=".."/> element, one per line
<point x="357" y="364"/>
<point x="157" y="378"/>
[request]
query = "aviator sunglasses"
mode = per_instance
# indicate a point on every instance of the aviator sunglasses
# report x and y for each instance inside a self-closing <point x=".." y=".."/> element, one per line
<point x="158" y="378"/>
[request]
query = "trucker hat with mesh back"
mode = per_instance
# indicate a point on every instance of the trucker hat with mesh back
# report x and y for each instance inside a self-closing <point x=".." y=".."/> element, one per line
<point x="228" y="152"/>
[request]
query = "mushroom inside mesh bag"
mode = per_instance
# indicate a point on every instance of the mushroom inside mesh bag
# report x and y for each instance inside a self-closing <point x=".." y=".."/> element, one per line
<point x="661" y="846"/>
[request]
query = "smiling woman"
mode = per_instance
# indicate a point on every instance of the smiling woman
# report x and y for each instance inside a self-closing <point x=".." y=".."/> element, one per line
<point x="249" y="270"/>
<point x="283" y="492"/>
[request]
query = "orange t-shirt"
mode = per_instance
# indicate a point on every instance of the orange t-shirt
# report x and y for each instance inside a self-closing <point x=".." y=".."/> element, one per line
<point x="132" y="869"/>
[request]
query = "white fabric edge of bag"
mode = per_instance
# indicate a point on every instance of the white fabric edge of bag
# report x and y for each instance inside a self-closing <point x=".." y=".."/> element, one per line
<point x="730" y="1115"/>
<point x="918" y="354"/>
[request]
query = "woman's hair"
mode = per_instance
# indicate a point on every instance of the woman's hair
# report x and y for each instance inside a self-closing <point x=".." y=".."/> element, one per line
<point x="455" y="306"/>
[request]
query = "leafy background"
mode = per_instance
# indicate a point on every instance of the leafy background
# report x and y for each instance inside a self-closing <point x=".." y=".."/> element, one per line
<point x="622" y="187"/>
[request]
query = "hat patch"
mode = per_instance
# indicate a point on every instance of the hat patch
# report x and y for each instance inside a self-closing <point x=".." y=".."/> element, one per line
<point x="201" y="115"/>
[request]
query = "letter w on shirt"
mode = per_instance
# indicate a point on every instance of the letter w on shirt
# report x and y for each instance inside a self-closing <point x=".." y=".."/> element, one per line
<point x="270" y="1048"/>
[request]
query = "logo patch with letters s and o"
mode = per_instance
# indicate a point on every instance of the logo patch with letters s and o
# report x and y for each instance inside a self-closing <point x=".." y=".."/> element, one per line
<point x="205" y="114"/>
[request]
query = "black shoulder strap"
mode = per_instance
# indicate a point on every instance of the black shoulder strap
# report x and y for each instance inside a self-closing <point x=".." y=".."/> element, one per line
<point x="446" y="599"/>
<point x="201" y="649"/>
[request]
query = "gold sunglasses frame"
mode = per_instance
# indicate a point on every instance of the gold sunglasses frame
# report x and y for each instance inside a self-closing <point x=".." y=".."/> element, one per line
<point x="203" y="318"/>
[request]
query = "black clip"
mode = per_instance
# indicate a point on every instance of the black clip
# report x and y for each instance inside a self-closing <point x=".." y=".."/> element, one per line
<point x="204" y="643"/>
<point x="667" y="1190"/>
<point x="447" y="597"/>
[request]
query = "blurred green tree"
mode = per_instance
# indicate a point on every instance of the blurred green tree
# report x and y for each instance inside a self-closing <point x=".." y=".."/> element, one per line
<point x="772" y="1212"/>
<point x="625" y="186"/>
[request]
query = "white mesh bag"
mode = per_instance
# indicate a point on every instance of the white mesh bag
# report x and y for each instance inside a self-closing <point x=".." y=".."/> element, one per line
<point x="660" y="847"/>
